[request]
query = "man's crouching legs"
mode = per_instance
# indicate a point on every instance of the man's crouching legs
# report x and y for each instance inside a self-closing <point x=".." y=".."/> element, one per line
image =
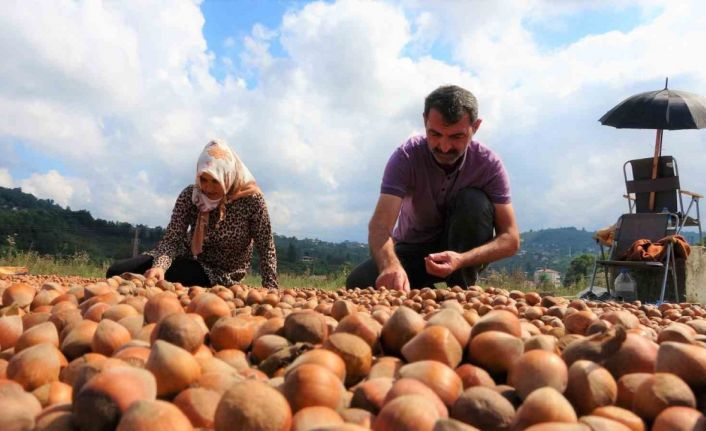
<point x="469" y="224"/>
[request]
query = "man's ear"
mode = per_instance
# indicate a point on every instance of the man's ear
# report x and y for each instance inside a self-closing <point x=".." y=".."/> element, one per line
<point x="476" y="124"/>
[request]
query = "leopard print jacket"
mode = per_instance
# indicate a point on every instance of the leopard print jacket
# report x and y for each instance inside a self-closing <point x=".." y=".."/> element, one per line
<point x="227" y="246"/>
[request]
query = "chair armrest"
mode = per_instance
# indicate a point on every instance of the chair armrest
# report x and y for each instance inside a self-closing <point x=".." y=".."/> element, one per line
<point x="692" y="194"/>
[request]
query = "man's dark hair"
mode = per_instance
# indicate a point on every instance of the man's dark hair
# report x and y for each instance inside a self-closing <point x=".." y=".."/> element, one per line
<point x="452" y="102"/>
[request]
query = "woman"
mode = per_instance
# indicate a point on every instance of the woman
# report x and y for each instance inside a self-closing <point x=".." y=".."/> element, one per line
<point x="225" y="213"/>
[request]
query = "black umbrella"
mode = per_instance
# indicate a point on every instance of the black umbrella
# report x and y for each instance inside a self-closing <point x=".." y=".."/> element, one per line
<point x="662" y="110"/>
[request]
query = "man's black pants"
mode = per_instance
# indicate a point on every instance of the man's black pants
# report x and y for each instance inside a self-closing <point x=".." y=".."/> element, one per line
<point x="183" y="270"/>
<point x="469" y="224"/>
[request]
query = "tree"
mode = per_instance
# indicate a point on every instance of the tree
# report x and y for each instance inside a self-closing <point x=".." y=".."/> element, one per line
<point x="578" y="269"/>
<point x="291" y="252"/>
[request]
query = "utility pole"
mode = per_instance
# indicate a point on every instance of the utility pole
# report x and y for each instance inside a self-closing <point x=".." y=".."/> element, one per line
<point x="135" y="241"/>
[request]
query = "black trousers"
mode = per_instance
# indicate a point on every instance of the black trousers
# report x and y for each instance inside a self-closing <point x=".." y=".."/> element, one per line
<point x="183" y="270"/>
<point x="469" y="223"/>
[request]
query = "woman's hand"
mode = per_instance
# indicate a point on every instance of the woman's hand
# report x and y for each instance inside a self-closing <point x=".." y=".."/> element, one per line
<point x="155" y="272"/>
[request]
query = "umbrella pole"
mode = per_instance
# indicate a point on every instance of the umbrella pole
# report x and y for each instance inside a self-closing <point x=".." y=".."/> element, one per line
<point x="655" y="164"/>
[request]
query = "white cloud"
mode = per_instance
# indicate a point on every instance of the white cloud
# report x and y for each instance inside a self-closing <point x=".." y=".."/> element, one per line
<point x="5" y="178"/>
<point x="122" y="98"/>
<point x="257" y="48"/>
<point x="65" y="191"/>
<point x="51" y="128"/>
<point x="136" y="203"/>
<point x="286" y="210"/>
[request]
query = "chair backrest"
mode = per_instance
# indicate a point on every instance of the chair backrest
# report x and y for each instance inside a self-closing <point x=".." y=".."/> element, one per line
<point x="631" y="227"/>
<point x="665" y="186"/>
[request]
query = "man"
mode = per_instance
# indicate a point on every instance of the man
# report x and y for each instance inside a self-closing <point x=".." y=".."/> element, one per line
<point x="448" y="199"/>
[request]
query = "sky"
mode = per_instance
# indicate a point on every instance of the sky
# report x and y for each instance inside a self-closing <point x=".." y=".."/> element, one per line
<point x="106" y="105"/>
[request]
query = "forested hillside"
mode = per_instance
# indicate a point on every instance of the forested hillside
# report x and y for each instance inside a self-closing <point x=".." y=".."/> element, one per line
<point x="549" y="248"/>
<point x="47" y="228"/>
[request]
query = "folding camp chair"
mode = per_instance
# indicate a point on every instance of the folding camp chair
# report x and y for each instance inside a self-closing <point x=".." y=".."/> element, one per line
<point x="665" y="188"/>
<point x="630" y="228"/>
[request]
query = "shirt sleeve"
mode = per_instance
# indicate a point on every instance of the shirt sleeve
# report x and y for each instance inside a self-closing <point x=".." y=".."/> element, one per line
<point x="397" y="176"/>
<point x="173" y="243"/>
<point x="498" y="186"/>
<point x="264" y="242"/>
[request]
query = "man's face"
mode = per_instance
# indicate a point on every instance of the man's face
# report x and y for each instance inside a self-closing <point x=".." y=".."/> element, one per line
<point x="448" y="142"/>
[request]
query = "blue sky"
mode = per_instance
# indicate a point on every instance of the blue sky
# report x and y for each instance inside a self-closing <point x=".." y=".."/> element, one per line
<point x="106" y="106"/>
<point x="228" y="22"/>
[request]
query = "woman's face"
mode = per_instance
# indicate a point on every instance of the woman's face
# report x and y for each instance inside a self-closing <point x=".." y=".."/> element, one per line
<point x="210" y="186"/>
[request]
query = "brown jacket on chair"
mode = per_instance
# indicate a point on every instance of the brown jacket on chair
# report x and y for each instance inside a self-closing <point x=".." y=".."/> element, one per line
<point x="644" y="249"/>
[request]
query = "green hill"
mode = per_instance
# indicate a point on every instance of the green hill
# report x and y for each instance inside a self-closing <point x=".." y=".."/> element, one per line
<point x="41" y="225"/>
<point x="549" y="248"/>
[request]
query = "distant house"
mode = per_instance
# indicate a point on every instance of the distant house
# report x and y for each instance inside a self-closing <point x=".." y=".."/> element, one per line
<point x="547" y="275"/>
<point x="307" y="259"/>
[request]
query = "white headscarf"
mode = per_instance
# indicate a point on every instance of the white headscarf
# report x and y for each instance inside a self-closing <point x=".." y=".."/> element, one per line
<point x="235" y="178"/>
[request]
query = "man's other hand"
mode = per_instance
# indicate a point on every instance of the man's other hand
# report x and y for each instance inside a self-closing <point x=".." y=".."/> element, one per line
<point x="394" y="278"/>
<point x="442" y="264"/>
<point x="155" y="272"/>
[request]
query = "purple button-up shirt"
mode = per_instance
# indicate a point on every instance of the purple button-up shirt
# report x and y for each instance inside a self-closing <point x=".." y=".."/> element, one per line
<point x="426" y="188"/>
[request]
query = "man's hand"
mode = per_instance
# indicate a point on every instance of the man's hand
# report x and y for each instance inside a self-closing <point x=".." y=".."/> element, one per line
<point x="394" y="278"/>
<point x="155" y="272"/>
<point x="442" y="264"/>
<point x="392" y="275"/>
